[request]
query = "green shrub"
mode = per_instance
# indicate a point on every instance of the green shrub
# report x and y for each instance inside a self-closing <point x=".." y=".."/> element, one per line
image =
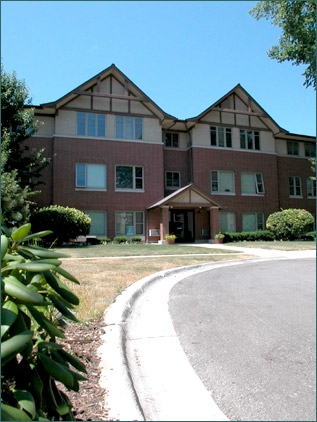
<point x="259" y="235"/>
<point x="290" y="224"/>
<point x="120" y="240"/>
<point x="105" y="240"/>
<point x="35" y="308"/>
<point x="65" y="223"/>
<point x="135" y="240"/>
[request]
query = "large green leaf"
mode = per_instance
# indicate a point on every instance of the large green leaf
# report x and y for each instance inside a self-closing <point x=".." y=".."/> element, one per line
<point x="9" y="413"/>
<point x="26" y="401"/>
<point x="42" y="252"/>
<point x="21" y="232"/>
<point x="14" y="288"/>
<point x="14" y="345"/>
<point x="9" y="313"/>
<point x="45" y="323"/>
<point x="35" y="266"/>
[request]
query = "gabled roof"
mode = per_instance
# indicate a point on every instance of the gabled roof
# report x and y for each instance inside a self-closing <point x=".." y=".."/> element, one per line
<point x="253" y="109"/>
<point x="133" y="92"/>
<point x="187" y="196"/>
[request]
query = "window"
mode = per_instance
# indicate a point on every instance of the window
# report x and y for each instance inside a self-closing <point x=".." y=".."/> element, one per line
<point x="91" y="176"/>
<point x="128" y="127"/>
<point x="220" y="137"/>
<point x="129" y="223"/>
<point x="129" y="177"/>
<point x="91" y="124"/>
<point x="222" y="182"/>
<point x="98" y="225"/>
<point x="292" y="148"/>
<point x="171" y="140"/>
<point x="295" y="186"/>
<point x="252" y="184"/>
<point x="249" y="139"/>
<point x="252" y="221"/>
<point x="172" y="179"/>
<point x="310" y="150"/>
<point x="311" y="188"/>
<point x="227" y="222"/>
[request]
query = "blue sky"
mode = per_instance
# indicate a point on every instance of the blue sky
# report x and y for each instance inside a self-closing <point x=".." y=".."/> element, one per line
<point x="184" y="55"/>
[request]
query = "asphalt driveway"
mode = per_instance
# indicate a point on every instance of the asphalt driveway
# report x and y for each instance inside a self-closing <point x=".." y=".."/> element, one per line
<point x="250" y="335"/>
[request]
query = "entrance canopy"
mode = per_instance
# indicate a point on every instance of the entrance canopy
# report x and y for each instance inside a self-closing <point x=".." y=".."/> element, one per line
<point x="189" y="196"/>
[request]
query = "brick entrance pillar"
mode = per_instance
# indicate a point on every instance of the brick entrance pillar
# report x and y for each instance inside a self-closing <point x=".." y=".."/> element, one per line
<point x="214" y="221"/>
<point x="164" y="225"/>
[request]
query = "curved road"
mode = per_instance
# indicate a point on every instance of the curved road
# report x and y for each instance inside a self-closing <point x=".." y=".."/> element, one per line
<point x="250" y="335"/>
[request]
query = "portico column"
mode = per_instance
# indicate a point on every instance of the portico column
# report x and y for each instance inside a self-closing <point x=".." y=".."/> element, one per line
<point x="164" y="225"/>
<point x="214" y="221"/>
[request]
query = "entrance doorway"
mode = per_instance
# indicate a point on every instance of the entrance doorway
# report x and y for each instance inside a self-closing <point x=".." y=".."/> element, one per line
<point x="182" y="224"/>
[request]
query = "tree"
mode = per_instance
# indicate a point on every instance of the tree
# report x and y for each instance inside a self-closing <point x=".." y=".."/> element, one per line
<point x="17" y="125"/>
<point x="297" y="44"/>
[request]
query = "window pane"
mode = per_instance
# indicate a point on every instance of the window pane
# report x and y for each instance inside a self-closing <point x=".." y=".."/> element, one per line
<point x="80" y="123"/>
<point x="139" y="223"/>
<point x="227" y="222"/>
<point x="257" y="141"/>
<point x="214" y="181"/>
<point x="226" y="181"/>
<point x="250" y="139"/>
<point x="119" y="127"/>
<point x="168" y="139"/>
<point x="124" y="177"/>
<point x="228" y="138"/>
<point x="96" y="176"/>
<point x="175" y="140"/>
<point x="221" y="137"/>
<point x="98" y="223"/>
<point x="247" y="183"/>
<point x="259" y="183"/>
<point x="91" y="124"/>
<point x="138" y="128"/>
<point x="138" y="177"/>
<point x="249" y="222"/>
<point x="213" y="136"/>
<point x="80" y="175"/>
<point x="129" y="127"/>
<point x="242" y="139"/>
<point x="101" y="125"/>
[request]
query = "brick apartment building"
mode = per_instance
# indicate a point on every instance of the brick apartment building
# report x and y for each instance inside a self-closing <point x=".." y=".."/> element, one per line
<point x="138" y="171"/>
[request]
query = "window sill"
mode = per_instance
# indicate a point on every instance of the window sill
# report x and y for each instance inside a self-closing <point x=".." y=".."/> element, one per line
<point x="224" y="193"/>
<point x="130" y="190"/>
<point x="253" y="194"/>
<point x="91" y="189"/>
<point x="295" y="197"/>
<point x="311" y="197"/>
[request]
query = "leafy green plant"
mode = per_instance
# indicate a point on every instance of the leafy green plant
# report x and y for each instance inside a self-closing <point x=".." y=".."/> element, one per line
<point x="258" y="235"/>
<point x="120" y="240"/>
<point x="290" y="224"/>
<point x="135" y="240"/>
<point x="65" y="222"/>
<point x="35" y="307"/>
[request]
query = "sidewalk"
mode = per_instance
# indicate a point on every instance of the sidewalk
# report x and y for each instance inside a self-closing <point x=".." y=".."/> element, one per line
<point x="144" y="368"/>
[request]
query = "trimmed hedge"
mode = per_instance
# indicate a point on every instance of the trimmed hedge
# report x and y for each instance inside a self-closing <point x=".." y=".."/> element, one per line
<point x="65" y="223"/>
<point x="250" y="236"/>
<point x="290" y="224"/>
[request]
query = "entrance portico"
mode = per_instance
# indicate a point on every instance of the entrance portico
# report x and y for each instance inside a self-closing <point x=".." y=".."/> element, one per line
<point x="189" y="213"/>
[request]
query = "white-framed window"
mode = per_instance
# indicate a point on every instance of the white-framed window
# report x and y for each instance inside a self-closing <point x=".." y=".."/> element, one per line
<point x="292" y="148"/>
<point x="129" y="178"/>
<point x="252" y="221"/>
<point x="171" y="140"/>
<point x="129" y="223"/>
<point x="172" y="179"/>
<point x="91" y="176"/>
<point x="128" y="127"/>
<point x="310" y="150"/>
<point x="98" y="226"/>
<point x="252" y="184"/>
<point x="250" y="139"/>
<point x="220" y="136"/>
<point x="222" y="182"/>
<point x="227" y="222"/>
<point x="91" y="124"/>
<point x="295" y="186"/>
<point x="311" y="188"/>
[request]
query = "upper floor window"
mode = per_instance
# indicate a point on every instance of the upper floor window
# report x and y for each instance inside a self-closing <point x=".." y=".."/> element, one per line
<point x="310" y="150"/>
<point x="91" y="124"/>
<point x="249" y="139"/>
<point x="295" y="186"/>
<point x="172" y="179"/>
<point x="128" y="127"/>
<point x="171" y="140"/>
<point x="222" y="182"/>
<point x="220" y="136"/>
<point x="129" y="177"/>
<point x="311" y="188"/>
<point x="252" y="183"/>
<point x="91" y="176"/>
<point x="292" y="148"/>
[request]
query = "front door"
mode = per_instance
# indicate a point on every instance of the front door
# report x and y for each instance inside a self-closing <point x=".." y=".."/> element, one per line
<point x="182" y="224"/>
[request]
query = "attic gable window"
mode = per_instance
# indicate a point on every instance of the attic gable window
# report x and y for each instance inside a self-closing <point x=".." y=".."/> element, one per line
<point x="171" y="140"/>
<point x="249" y="139"/>
<point x="220" y="137"/>
<point x="292" y="148"/>
<point x="128" y="127"/>
<point x="91" y="124"/>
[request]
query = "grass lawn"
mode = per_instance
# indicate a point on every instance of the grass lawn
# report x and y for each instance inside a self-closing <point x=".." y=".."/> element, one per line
<point x="103" y="276"/>
<point x="295" y="245"/>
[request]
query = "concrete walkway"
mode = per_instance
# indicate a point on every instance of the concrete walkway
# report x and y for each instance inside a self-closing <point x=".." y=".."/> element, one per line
<point x="144" y="369"/>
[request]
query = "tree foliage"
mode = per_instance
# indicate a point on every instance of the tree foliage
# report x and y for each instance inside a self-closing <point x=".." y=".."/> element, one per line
<point x="297" y="44"/>
<point x="35" y="308"/>
<point x="290" y="224"/>
<point x="17" y="125"/>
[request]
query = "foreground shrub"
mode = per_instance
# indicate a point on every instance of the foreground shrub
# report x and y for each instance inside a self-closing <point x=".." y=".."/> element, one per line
<point x="259" y="235"/>
<point x="120" y="240"/>
<point x="290" y="224"/>
<point x="35" y="308"/>
<point x="65" y="223"/>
